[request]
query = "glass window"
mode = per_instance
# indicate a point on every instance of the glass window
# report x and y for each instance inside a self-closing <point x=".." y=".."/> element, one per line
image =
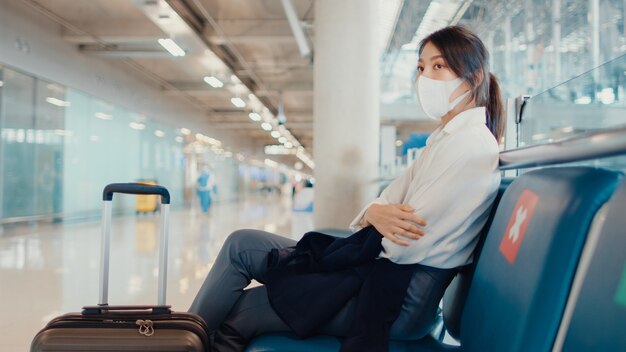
<point x="18" y="147"/>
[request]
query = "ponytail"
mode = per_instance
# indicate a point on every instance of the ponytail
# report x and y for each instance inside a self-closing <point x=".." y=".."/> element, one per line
<point x="495" y="109"/>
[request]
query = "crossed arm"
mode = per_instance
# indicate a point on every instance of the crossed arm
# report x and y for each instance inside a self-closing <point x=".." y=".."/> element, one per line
<point x="394" y="221"/>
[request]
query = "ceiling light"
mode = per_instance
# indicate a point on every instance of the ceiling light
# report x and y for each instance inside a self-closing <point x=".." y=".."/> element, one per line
<point x="159" y="133"/>
<point x="254" y="116"/>
<point x="172" y="47"/>
<point x="213" y="141"/>
<point x="58" y="102"/>
<point x="103" y="116"/>
<point x="282" y="139"/>
<point x="278" y="150"/>
<point x="583" y="100"/>
<point x="213" y="82"/>
<point x="266" y="126"/>
<point x="607" y="96"/>
<point x="179" y="139"/>
<point x="288" y="145"/>
<point x="275" y="134"/>
<point x="185" y="131"/>
<point x="271" y="163"/>
<point x="137" y="126"/>
<point x="1" y="83"/>
<point x="238" y="102"/>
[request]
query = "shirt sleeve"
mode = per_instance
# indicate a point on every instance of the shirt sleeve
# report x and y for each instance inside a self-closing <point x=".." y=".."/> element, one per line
<point x="459" y="179"/>
<point x="394" y="193"/>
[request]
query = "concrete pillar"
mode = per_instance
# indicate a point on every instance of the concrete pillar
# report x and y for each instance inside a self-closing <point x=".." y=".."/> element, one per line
<point x="346" y="109"/>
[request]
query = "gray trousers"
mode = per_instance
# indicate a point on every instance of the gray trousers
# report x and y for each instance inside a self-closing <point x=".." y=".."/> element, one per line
<point x="238" y="315"/>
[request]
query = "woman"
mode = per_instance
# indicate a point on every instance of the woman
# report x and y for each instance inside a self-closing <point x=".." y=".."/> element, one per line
<point x="431" y="215"/>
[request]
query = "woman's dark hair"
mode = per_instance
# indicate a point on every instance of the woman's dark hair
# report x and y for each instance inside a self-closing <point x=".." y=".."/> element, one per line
<point x="467" y="56"/>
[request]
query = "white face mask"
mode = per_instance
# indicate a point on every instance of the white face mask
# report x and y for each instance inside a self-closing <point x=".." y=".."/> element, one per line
<point x="434" y="96"/>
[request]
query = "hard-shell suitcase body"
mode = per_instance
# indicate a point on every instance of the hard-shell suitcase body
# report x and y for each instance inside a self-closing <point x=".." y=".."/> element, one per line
<point x="126" y="328"/>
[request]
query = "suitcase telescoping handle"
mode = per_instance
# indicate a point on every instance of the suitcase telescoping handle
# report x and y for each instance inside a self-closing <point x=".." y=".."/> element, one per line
<point x="107" y="197"/>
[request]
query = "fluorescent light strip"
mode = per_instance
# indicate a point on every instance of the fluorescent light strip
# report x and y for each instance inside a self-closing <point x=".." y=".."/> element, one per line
<point x="275" y="134"/>
<point x="58" y="102"/>
<point x="103" y="116"/>
<point x="266" y="126"/>
<point x="171" y="47"/>
<point x="238" y="102"/>
<point x="254" y="116"/>
<point x="137" y="126"/>
<point x="213" y="82"/>
<point x="159" y="133"/>
<point x="271" y="163"/>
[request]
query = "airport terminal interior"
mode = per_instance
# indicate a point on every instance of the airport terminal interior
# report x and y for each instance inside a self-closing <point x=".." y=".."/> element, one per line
<point x="279" y="115"/>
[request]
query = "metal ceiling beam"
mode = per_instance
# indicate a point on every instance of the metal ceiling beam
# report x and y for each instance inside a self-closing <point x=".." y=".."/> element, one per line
<point x="198" y="18"/>
<point x="114" y="52"/>
<point x="261" y="39"/>
<point x="114" y="32"/>
<point x="112" y="38"/>
<point x="226" y="52"/>
<point x="296" y="28"/>
<point x="408" y="21"/>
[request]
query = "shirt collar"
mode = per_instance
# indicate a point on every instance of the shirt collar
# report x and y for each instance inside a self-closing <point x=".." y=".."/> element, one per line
<point x="470" y="117"/>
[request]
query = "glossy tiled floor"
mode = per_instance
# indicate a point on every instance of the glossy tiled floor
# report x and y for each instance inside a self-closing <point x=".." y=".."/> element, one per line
<point x="48" y="270"/>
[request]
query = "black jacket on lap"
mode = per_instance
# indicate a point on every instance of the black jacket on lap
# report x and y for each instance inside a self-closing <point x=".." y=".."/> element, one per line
<point x="310" y="283"/>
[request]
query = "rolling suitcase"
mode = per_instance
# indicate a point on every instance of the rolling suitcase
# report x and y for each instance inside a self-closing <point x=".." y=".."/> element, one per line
<point x="126" y="328"/>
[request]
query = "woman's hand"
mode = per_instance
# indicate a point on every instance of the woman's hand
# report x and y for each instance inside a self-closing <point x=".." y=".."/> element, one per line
<point x="394" y="220"/>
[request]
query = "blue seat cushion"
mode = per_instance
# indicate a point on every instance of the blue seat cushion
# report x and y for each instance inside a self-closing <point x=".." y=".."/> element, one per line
<point x="288" y="342"/>
<point x="599" y="315"/>
<point x="284" y="342"/>
<point x="525" y="270"/>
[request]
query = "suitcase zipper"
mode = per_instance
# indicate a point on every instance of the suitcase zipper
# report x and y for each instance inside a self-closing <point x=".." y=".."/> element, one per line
<point x="79" y="321"/>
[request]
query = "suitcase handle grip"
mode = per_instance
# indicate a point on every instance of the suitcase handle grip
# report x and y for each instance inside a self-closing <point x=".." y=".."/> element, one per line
<point x="91" y="310"/>
<point x="135" y="188"/>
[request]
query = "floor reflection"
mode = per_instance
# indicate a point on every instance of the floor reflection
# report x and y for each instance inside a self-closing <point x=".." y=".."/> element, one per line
<point x="48" y="270"/>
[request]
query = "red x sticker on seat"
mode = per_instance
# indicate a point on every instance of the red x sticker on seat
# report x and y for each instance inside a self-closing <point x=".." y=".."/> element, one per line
<point x="515" y="231"/>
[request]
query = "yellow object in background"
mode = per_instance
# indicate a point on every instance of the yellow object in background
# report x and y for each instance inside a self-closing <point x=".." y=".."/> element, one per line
<point x="147" y="203"/>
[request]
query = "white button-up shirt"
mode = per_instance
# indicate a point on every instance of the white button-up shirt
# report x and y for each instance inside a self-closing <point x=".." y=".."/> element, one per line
<point x="452" y="185"/>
